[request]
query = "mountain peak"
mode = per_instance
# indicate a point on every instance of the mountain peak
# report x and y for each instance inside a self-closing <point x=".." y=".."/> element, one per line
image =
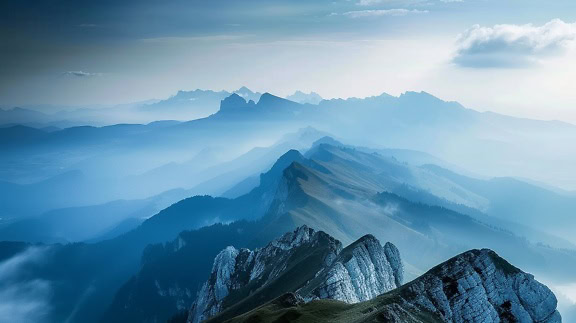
<point x="368" y="238"/>
<point x="479" y="285"/>
<point x="305" y="98"/>
<point x="268" y="99"/>
<point x="247" y="94"/>
<point x="327" y="140"/>
<point x="288" y="158"/>
<point x="233" y="102"/>
<point x="311" y="264"/>
<point x="244" y="89"/>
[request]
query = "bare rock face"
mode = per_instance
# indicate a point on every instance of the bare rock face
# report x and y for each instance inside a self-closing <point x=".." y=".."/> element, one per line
<point x="479" y="286"/>
<point x="309" y="263"/>
<point x="361" y="272"/>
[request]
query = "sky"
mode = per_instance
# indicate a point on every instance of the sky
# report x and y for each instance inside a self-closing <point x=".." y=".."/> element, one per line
<point x="515" y="57"/>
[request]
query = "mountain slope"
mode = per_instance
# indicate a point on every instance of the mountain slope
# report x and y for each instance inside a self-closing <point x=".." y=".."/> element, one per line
<point x="521" y="202"/>
<point x="344" y="202"/>
<point x="84" y="223"/>
<point x="342" y="191"/>
<point x="476" y="286"/>
<point x="336" y="190"/>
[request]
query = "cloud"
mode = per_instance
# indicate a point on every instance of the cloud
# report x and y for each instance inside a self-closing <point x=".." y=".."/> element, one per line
<point x="21" y="299"/>
<point x="80" y="74"/>
<point x="382" y="12"/>
<point x="369" y="2"/>
<point x="513" y="45"/>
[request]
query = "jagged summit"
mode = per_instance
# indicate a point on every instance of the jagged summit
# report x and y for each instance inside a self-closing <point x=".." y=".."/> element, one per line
<point x="269" y="107"/>
<point x="244" y="90"/>
<point x="328" y="141"/>
<point x="420" y="104"/>
<point x="305" y="98"/>
<point x="309" y="263"/>
<point x="247" y="94"/>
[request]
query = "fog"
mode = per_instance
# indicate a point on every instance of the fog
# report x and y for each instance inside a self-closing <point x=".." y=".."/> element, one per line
<point x="23" y="298"/>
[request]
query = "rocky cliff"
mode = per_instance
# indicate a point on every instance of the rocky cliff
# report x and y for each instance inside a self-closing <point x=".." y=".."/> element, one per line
<point x="480" y="286"/>
<point x="310" y="263"/>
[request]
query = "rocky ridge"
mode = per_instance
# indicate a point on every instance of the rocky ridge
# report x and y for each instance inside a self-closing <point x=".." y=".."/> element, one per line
<point x="310" y="263"/>
<point x="477" y="286"/>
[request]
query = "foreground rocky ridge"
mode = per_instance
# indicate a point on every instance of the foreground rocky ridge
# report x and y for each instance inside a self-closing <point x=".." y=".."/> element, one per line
<point x="476" y="286"/>
<point x="307" y="262"/>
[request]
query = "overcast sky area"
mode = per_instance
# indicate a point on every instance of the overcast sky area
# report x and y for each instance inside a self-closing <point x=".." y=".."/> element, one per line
<point x="516" y="57"/>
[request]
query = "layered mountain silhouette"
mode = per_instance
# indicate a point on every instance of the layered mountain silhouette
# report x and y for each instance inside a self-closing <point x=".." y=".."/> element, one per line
<point x="502" y="146"/>
<point x="305" y="98"/>
<point x="338" y="190"/>
<point x="413" y="197"/>
<point x="186" y="105"/>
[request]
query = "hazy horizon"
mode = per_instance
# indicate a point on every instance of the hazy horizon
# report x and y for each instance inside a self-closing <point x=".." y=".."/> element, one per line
<point x="63" y="107"/>
<point x="482" y="54"/>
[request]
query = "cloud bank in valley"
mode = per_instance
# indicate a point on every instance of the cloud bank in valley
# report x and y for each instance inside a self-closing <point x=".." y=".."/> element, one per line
<point x="21" y="299"/>
<point x="513" y="45"/>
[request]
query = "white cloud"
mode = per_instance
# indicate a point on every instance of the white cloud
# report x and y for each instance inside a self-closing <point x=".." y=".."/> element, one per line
<point x="513" y="45"/>
<point x="382" y="12"/>
<point x="80" y="74"/>
<point x="369" y="2"/>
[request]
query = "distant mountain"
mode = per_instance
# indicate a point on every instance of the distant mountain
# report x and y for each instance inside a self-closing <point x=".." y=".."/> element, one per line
<point x="520" y="202"/>
<point x="20" y="116"/>
<point x="248" y="94"/>
<point x="305" y="98"/>
<point x="82" y="223"/>
<point x="268" y="108"/>
<point x="210" y="173"/>
<point x="16" y="135"/>
<point x="55" y="192"/>
<point x="476" y="286"/>
<point x="188" y="105"/>
<point x="306" y="262"/>
<point x="482" y="143"/>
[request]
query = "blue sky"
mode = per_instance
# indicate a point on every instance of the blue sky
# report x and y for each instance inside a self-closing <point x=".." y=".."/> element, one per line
<point x="514" y="57"/>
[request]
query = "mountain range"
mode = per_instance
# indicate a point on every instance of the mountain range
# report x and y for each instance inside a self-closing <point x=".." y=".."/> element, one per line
<point x="343" y="191"/>
<point x="122" y="223"/>
<point x="323" y="195"/>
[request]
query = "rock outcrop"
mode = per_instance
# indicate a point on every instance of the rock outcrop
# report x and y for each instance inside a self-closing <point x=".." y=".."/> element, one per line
<point x="478" y="286"/>
<point x="309" y="263"/>
<point x="362" y="271"/>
